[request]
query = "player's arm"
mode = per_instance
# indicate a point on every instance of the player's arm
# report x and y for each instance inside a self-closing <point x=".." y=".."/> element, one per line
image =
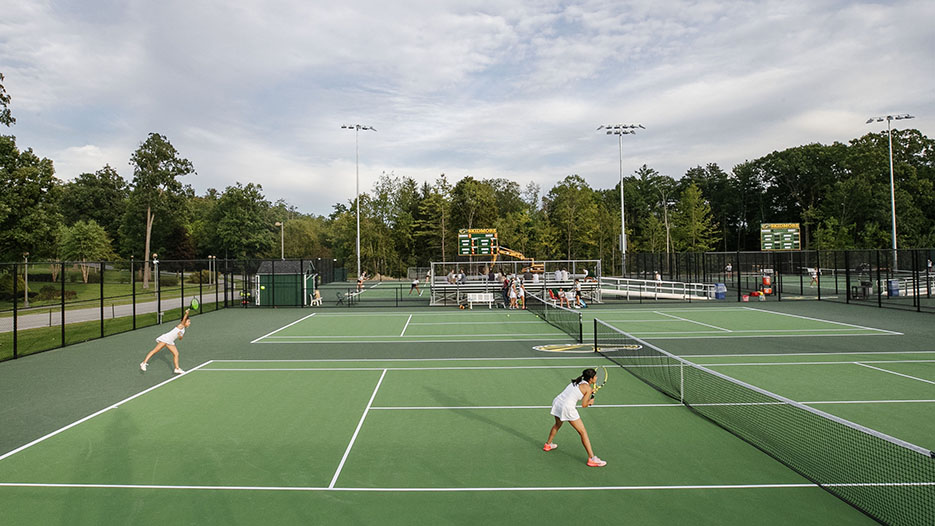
<point x="184" y="317"/>
<point x="586" y="390"/>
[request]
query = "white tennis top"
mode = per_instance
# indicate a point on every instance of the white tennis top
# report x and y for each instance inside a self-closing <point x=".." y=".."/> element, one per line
<point x="171" y="336"/>
<point x="563" y="406"/>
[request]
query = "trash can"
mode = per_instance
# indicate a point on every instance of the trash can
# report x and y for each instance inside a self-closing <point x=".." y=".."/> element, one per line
<point x="892" y="287"/>
<point x="720" y="291"/>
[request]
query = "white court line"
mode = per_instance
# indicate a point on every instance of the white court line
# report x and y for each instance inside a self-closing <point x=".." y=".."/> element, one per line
<point x="639" y="406"/>
<point x="487" y="322"/>
<point x="693" y="321"/>
<point x="102" y="411"/>
<point x="455" y="490"/>
<point x="540" y="339"/>
<point x="553" y="358"/>
<point x="741" y="364"/>
<point x="357" y="431"/>
<point x="405" y="326"/>
<point x="511" y="367"/>
<point x="825" y="321"/>
<point x="894" y="372"/>
<point x="286" y="327"/>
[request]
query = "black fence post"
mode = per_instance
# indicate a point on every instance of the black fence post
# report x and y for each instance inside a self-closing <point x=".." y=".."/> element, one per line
<point x="100" y="276"/>
<point x="818" y="272"/>
<point x="63" y="303"/>
<point x="739" y="272"/>
<point x="15" y="298"/>
<point x="182" y="288"/>
<point x="847" y="276"/>
<point x="133" y="291"/>
<point x="879" y="286"/>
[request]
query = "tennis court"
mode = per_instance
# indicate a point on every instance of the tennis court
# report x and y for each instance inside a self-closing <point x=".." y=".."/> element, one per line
<point x="393" y="417"/>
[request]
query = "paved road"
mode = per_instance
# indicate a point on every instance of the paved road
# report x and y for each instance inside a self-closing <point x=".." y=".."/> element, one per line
<point x="52" y="316"/>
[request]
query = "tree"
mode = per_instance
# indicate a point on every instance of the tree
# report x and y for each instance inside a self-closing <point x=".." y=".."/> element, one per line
<point x="6" y="117"/>
<point x="156" y="165"/>
<point x="243" y="224"/>
<point x="572" y="209"/>
<point x="101" y="197"/>
<point x="29" y="203"/>
<point x="84" y="242"/>
<point x="695" y="230"/>
<point x="431" y="223"/>
<point x="473" y="203"/>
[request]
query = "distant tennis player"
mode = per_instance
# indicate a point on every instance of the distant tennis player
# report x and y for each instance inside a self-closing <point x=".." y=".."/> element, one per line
<point x="415" y="287"/>
<point x="563" y="409"/>
<point x="168" y="340"/>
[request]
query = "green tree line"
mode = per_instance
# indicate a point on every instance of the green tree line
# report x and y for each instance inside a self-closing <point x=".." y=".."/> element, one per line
<point x="839" y="193"/>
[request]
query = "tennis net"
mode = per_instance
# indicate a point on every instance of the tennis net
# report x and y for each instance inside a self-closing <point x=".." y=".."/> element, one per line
<point x="889" y="479"/>
<point x="563" y="318"/>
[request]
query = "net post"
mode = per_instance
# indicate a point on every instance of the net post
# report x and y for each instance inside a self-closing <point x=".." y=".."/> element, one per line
<point x="595" y="335"/>
<point x="580" y="329"/>
<point x="681" y="382"/>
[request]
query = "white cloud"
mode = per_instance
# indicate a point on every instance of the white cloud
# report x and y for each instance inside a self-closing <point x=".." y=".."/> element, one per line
<point x="255" y="91"/>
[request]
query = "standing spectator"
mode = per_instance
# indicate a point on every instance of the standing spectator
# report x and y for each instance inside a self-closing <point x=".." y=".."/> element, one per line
<point x="577" y="294"/>
<point x="505" y="290"/>
<point x="564" y="274"/>
<point x="558" y="274"/>
<point x="657" y="276"/>
<point x="729" y="269"/>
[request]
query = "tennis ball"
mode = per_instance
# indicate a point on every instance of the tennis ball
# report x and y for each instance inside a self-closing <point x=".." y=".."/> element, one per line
<point x="262" y="287"/>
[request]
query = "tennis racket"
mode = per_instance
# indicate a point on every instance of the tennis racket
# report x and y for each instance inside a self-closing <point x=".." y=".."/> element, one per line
<point x="194" y="303"/>
<point x="600" y="380"/>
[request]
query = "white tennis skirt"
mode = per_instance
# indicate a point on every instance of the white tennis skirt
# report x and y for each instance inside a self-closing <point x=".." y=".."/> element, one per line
<point x="563" y="411"/>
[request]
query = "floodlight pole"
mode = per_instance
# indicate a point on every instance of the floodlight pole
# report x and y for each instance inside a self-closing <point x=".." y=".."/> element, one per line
<point x="620" y="130"/>
<point x="282" y="239"/>
<point x="889" y="134"/>
<point x="357" y="128"/>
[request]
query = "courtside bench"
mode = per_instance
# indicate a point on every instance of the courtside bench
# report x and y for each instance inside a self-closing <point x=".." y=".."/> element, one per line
<point x="480" y="297"/>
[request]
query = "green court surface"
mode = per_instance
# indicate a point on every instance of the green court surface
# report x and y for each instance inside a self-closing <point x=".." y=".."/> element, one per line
<point x="401" y="417"/>
<point x="447" y="325"/>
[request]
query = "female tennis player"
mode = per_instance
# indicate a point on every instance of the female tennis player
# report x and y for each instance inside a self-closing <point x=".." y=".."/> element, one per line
<point x="563" y="409"/>
<point x="168" y="340"/>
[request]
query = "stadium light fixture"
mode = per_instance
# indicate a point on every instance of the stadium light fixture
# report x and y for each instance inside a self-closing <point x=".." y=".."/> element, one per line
<point x="889" y="134"/>
<point x="620" y="130"/>
<point x="357" y="128"/>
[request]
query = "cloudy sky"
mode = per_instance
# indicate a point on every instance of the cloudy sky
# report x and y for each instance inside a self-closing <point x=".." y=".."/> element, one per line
<point x="257" y="91"/>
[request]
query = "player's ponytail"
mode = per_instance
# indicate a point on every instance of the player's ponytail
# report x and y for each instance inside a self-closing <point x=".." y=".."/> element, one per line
<point x="586" y="375"/>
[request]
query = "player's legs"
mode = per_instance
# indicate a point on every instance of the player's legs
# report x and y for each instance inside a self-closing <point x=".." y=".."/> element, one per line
<point x="156" y="349"/>
<point x="555" y="428"/>
<point x="175" y="355"/>
<point x="585" y="441"/>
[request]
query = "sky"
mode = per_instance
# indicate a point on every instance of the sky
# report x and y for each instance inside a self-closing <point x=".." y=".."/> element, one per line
<point x="257" y="91"/>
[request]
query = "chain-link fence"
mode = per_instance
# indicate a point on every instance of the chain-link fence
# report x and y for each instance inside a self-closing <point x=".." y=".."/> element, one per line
<point x="901" y="279"/>
<point x="46" y="305"/>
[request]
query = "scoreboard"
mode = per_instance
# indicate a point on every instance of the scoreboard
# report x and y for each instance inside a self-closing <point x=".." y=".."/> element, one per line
<point x="780" y="236"/>
<point x="477" y="242"/>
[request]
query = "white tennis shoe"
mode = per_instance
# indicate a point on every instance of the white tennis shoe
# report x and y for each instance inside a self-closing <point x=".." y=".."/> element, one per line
<point x="143" y="366"/>
<point x="178" y="371"/>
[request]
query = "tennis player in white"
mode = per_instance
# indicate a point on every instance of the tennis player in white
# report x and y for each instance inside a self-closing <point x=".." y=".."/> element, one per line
<point x="563" y="409"/>
<point x="168" y="340"/>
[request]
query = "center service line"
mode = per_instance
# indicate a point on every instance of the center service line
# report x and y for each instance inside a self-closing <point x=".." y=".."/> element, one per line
<point x="356" y="431"/>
